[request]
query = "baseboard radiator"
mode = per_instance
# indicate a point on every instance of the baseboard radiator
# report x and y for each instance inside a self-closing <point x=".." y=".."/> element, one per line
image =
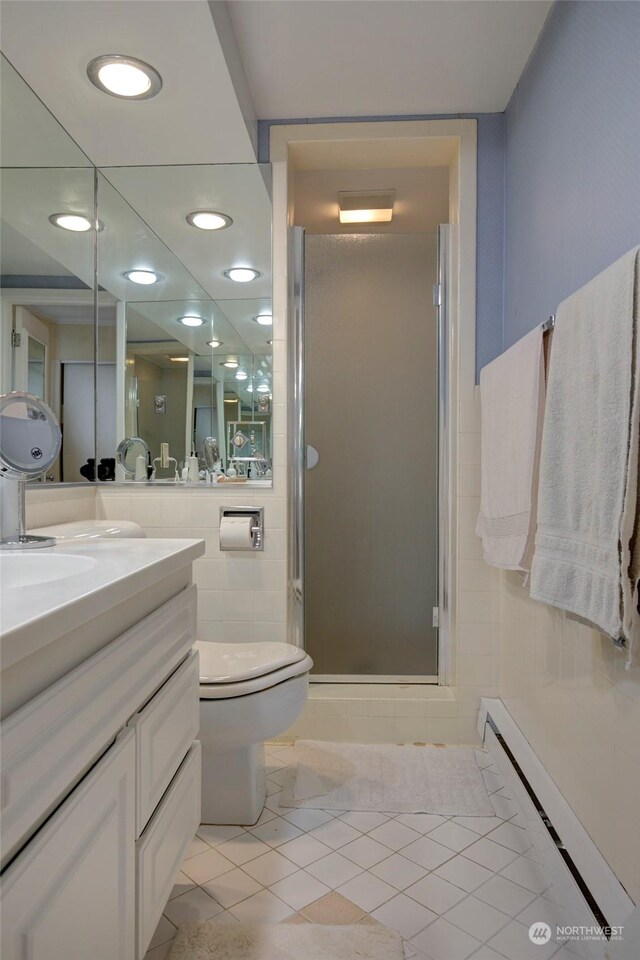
<point x="587" y="893"/>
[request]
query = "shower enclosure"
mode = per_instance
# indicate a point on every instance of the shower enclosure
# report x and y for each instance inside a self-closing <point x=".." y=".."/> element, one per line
<point x="366" y="374"/>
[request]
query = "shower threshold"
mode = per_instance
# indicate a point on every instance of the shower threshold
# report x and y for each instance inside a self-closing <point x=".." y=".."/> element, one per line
<point x="369" y="678"/>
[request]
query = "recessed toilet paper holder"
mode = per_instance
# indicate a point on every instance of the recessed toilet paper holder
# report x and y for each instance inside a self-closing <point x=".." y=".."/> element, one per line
<point x="257" y="528"/>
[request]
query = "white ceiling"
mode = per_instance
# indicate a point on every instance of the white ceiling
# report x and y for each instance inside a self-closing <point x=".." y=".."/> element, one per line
<point x="196" y="117"/>
<point x="322" y="58"/>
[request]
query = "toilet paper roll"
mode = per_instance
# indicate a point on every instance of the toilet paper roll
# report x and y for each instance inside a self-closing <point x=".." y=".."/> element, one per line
<point x="235" y="533"/>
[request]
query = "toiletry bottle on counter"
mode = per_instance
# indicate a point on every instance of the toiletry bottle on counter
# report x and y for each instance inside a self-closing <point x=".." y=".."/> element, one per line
<point x="141" y="468"/>
<point x="193" y="469"/>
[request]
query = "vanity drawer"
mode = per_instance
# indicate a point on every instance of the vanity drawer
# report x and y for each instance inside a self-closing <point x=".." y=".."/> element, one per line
<point x="162" y="847"/>
<point x="50" y="742"/>
<point x="165" y="729"/>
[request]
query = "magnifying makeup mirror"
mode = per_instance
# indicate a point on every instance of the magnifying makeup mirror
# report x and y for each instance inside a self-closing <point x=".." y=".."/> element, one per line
<point x="128" y="452"/>
<point x="30" y="442"/>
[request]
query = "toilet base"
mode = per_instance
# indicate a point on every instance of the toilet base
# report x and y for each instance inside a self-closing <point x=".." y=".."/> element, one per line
<point x="234" y="786"/>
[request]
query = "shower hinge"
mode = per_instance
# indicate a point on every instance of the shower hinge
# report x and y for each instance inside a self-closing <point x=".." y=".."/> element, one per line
<point x="15" y="339"/>
<point x="437" y="294"/>
<point x="436" y="617"/>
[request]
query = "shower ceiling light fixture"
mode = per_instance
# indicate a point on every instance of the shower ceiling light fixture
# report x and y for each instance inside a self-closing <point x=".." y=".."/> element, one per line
<point x="230" y="364"/>
<point x="76" y="222"/>
<point x="145" y="277"/>
<point x="372" y="207"/>
<point x="242" y="274"/>
<point x="241" y="375"/>
<point x="208" y="220"/>
<point x="214" y="343"/>
<point x="191" y="321"/>
<point x="264" y="319"/>
<point x="124" y="77"/>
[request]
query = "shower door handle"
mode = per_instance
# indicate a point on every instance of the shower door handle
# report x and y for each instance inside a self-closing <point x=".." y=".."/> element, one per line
<point x="312" y="457"/>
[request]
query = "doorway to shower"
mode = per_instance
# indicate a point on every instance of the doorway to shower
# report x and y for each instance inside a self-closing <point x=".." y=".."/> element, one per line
<point x="371" y="483"/>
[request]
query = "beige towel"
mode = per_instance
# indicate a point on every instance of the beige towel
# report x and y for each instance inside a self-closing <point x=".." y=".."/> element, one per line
<point x="587" y="549"/>
<point x="512" y="395"/>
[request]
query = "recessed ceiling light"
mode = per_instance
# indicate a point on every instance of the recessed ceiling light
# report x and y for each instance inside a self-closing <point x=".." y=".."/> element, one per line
<point x="191" y="321"/>
<point x="145" y="277"/>
<point x="373" y="207"/>
<point x="230" y="364"/>
<point x="76" y="222"/>
<point x="241" y="375"/>
<point x="125" y="77"/>
<point x="264" y="319"/>
<point x="249" y="389"/>
<point x="242" y="274"/>
<point x="209" y="220"/>
<point x="263" y="388"/>
<point x="214" y="343"/>
<point x="179" y="359"/>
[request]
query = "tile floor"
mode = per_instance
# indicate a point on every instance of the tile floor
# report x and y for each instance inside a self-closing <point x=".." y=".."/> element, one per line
<point x="454" y="888"/>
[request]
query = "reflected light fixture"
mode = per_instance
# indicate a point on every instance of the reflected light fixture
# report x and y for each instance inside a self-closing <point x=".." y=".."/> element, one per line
<point x="191" y="321"/>
<point x="179" y="359"/>
<point x="264" y="319"/>
<point x="249" y="389"/>
<point x="76" y="222"/>
<point x="372" y="207"/>
<point x="214" y="343"/>
<point x="263" y="388"/>
<point x="241" y="375"/>
<point x="230" y="364"/>
<point x="125" y="77"/>
<point x="209" y="220"/>
<point x="145" y="277"/>
<point x="242" y="274"/>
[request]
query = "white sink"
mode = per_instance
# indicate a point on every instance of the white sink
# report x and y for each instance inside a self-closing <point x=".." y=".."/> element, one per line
<point x="28" y="570"/>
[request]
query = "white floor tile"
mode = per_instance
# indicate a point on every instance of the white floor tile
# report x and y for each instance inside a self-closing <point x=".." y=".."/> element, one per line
<point x="165" y="931"/>
<point x="367" y="891"/>
<point x="214" y="834"/>
<point x="308" y="819"/>
<point x="478" y="918"/>
<point x="194" y="905"/>
<point x="398" y="871"/>
<point x="488" y="854"/>
<point x="299" y="889"/>
<point x="527" y="873"/>
<point x="513" y="941"/>
<point x="511" y="836"/>
<point x="364" y="822"/>
<point x="273" y="804"/>
<point x="242" y="849"/>
<point x="335" y="834"/>
<point x="464" y="873"/>
<point x="427" y="853"/>
<point x="453" y="835"/>
<point x="480" y="825"/>
<point x="304" y="850"/>
<point x="365" y="852"/>
<point x="262" y="907"/>
<point x="232" y="887"/>
<point x="276" y="832"/>
<point x="335" y="870"/>
<point x="181" y="884"/>
<point x="442" y="941"/>
<point x="395" y="835"/>
<point x="492" y="781"/>
<point x="503" y="807"/>
<point x="545" y="910"/>
<point x="197" y="845"/>
<point x="483" y="758"/>
<point x="404" y="915"/>
<point x="437" y="894"/>
<point x="505" y="895"/>
<point x="162" y="952"/>
<point x="486" y="953"/>
<point x="206" y="866"/>
<point x="264" y="817"/>
<point x="420" y="822"/>
<point x="269" y="868"/>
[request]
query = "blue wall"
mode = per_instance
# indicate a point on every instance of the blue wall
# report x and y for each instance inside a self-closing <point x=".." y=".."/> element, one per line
<point x="490" y="217"/>
<point x="572" y="158"/>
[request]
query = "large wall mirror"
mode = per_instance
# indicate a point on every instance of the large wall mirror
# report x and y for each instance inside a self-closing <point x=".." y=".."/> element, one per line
<point x="127" y="318"/>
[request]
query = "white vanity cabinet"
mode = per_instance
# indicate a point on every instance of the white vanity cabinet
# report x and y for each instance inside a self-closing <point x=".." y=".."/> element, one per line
<point x="101" y="795"/>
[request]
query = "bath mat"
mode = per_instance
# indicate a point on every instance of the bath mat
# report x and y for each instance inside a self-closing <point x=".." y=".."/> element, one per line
<point x="398" y="779"/>
<point x="196" y="940"/>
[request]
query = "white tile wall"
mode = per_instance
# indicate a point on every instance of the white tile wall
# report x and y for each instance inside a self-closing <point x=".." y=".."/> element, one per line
<point x="566" y="687"/>
<point x="48" y="504"/>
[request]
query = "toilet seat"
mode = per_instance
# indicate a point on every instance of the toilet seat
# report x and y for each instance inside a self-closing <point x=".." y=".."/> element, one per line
<point x="237" y="669"/>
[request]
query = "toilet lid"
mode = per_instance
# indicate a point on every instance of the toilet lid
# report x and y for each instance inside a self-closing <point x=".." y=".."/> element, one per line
<point x="233" y="662"/>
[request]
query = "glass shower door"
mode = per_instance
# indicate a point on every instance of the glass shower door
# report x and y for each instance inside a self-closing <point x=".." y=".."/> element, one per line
<point x="371" y="412"/>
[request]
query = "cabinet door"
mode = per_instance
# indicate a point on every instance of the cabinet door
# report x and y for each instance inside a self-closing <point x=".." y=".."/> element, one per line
<point x="70" y="894"/>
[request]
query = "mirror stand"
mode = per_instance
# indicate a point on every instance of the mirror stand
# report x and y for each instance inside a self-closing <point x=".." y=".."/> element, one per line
<point x="12" y="517"/>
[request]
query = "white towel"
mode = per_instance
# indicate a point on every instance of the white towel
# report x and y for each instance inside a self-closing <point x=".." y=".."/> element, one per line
<point x="512" y="395"/>
<point x="587" y="554"/>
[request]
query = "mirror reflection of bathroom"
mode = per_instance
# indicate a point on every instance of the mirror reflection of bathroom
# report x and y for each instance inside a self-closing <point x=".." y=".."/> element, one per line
<point x="371" y="415"/>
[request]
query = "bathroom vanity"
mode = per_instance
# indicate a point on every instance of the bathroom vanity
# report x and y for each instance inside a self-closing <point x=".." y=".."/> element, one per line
<point x="101" y="769"/>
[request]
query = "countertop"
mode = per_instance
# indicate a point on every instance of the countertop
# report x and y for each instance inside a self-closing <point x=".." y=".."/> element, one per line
<point x="35" y="615"/>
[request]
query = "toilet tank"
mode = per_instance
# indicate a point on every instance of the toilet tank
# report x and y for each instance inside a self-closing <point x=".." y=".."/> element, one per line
<point x="92" y="530"/>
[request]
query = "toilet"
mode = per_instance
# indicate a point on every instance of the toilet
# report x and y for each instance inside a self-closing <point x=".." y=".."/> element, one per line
<point x="249" y="693"/>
